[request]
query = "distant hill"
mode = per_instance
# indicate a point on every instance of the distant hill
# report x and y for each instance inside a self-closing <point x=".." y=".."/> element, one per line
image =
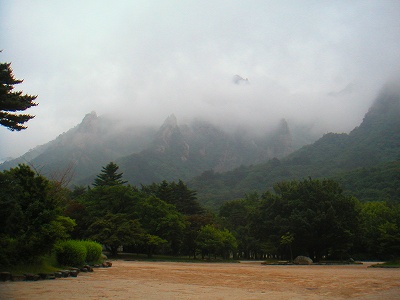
<point x="147" y="154"/>
<point x="373" y="147"/>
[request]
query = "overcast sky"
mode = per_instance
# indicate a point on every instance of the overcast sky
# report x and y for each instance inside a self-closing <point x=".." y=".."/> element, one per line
<point x="321" y="62"/>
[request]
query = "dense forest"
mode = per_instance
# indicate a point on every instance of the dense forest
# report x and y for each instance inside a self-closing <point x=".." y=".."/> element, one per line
<point x="310" y="217"/>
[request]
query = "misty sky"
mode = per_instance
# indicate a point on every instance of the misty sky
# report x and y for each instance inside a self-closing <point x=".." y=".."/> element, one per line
<point x="320" y="62"/>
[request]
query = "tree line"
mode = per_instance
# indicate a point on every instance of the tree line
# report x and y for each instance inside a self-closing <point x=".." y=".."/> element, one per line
<point x="314" y="218"/>
<point x="310" y="217"/>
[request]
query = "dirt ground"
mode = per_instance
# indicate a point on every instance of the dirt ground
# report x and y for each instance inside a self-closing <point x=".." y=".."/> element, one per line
<point x="169" y="280"/>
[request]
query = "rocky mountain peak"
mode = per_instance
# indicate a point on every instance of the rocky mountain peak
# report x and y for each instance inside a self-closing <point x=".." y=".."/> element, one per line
<point x="170" y="121"/>
<point x="283" y="128"/>
<point x="168" y="134"/>
<point x="89" y="122"/>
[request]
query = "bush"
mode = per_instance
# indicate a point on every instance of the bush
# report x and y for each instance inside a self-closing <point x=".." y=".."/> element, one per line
<point x="71" y="253"/>
<point x="93" y="251"/>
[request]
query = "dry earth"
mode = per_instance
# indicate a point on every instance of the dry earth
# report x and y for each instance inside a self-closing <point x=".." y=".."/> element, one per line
<point x="169" y="280"/>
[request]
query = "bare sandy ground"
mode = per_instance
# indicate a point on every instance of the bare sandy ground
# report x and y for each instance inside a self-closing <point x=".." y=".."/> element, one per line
<point x="168" y="280"/>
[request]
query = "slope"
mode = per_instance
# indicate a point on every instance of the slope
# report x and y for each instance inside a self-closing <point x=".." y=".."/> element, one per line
<point x="375" y="142"/>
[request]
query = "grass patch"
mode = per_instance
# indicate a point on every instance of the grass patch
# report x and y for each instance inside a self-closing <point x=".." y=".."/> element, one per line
<point x="277" y="262"/>
<point x="45" y="265"/>
<point x="169" y="258"/>
<point x="388" y="264"/>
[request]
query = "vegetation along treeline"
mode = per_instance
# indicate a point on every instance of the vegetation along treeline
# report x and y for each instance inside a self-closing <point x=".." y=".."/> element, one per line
<point x="310" y="217"/>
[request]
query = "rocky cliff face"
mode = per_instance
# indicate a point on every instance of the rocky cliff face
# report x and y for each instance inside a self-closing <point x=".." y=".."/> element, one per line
<point x="169" y="138"/>
<point x="174" y="151"/>
<point x="184" y="151"/>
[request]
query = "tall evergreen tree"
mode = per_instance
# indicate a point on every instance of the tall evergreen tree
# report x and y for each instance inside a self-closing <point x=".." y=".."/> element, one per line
<point x="12" y="102"/>
<point x="109" y="176"/>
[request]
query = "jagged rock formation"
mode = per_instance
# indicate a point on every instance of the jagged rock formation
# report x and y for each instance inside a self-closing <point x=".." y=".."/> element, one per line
<point x="147" y="155"/>
<point x="184" y="151"/>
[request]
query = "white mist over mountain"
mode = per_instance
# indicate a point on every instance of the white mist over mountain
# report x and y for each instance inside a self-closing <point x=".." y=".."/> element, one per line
<point x="317" y="63"/>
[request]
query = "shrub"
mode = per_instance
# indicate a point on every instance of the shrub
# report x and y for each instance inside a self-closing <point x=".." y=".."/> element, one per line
<point x="93" y="251"/>
<point x="71" y="253"/>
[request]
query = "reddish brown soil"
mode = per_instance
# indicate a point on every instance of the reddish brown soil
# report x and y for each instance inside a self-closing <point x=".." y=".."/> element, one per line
<point x="168" y="280"/>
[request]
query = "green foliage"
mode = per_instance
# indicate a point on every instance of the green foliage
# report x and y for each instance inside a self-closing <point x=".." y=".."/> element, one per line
<point x="178" y="194"/>
<point x="163" y="220"/>
<point x="380" y="235"/>
<point x="8" y="251"/>
<point x="236" y="215"/>
<point x="309" y="217"/>
<point x="152" y="242"/>
<point x="46" y="264"/>
<point x="228" y="243"/>
<point x="110" y="199"/>
<point x="322" y="219"/>
<point x="109" y="176"/>
<point x="212" y="241"/>
<point x="114" y="230"/>
<point x="71" y="253"/>
<point x="93" y="251"/>
<point x="12" y="102"/>
<point x="108" y="209"/>
<point x="30" y="218"/>
<point x="378" y="183"/>
<point x="185" y="202"/>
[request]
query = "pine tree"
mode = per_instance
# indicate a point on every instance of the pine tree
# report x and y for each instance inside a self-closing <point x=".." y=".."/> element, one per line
<point x="11" y="102"/>
<point x="109" y="176"/>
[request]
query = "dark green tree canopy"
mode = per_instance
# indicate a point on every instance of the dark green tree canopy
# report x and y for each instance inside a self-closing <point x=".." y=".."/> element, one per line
<point x="321" y="219"/>
<point x="177" y="194"/>
<point x="31" y="221"/>
<point x="109" y="176"/>
<point x="13" y="102"/>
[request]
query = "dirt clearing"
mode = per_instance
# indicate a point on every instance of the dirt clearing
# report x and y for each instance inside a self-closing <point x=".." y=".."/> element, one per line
<point x="170" y="280"/>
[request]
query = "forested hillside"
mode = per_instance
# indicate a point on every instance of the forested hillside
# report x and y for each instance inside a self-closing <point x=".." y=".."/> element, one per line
<point x="369" y="153"/>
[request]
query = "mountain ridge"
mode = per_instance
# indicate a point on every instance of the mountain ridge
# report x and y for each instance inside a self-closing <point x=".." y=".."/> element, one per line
<point x="147" y="154"/>
<point x="374" y="143"/>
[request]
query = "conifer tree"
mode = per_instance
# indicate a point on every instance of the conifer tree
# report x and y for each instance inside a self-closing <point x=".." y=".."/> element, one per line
<point x="13" y="102"/>
<point x="109" y="176"/>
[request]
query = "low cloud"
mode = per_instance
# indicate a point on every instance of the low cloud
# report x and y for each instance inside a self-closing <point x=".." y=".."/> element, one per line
<point x="315" y="63"/>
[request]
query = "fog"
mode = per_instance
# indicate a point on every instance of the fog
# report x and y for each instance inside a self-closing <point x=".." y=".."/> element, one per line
<point x="315" y="62"/>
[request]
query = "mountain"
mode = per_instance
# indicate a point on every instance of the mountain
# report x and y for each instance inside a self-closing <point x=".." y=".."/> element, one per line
<point x="376" y="140"/>
<point x="182" y="152"/>
<point x="373" y="147"/>
<point x="147" y="155"/>
<point x="84" y="149"/>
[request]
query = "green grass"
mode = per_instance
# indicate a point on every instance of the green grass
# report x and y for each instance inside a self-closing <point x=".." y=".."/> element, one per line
<point x="170" y="258"/>
<point x="388" y="264"/>
<point x="46" y="265"/>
